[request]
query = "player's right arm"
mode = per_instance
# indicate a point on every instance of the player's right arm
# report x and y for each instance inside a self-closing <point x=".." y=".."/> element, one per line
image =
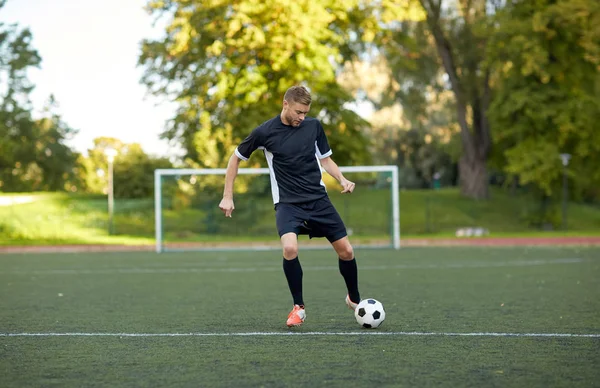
<point x="226" y="204"/>
<point x="242" y="152"/>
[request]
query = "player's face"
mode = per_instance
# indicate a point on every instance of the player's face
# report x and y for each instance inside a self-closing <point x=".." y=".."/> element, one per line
<point x="294" y="113"/>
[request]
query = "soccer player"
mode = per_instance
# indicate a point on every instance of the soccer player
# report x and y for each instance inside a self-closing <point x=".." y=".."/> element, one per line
<point x="296" y="147"/>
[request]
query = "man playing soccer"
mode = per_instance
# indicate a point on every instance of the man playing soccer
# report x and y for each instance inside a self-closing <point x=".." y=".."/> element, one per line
<point x="296" y="147"/>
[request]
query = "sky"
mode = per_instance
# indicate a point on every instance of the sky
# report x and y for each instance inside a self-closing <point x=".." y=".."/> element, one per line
<point x="89" y="53"/>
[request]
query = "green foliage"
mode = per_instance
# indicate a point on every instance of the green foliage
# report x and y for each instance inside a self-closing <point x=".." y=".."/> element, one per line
<point x="546" y="93"/>
<point x="134" y="172"/>
<point x="421" y="156"/>
<point x="133" y="169"/>
<point x="415" y="70"/>
<point x="412" y="125"/>
<point x="439" y="76"/>
<point x="228" y="63"/>
<point x="535" y="62"/>
<point x="33" y="155"/>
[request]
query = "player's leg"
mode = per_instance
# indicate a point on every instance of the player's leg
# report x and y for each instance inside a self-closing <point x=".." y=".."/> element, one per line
<point x="290" y="221"/>
<point x="293" y="273"/>
<point x="348" y="270"/>
<point x="291" y="266"/>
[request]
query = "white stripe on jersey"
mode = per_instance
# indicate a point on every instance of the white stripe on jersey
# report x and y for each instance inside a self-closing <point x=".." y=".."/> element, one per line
<point x="321" y="168"/>
<point x="319" y="154"/>
<point x="274" y="185"/>
<point x="237" y="153"/>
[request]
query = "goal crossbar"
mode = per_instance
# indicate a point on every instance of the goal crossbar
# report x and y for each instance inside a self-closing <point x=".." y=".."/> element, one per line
<point x="159" y="173"/>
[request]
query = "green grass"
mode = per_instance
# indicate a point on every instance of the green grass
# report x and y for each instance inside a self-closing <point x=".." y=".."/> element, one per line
<point x="462" y="290"/>
<point x="54" y="218"/>
<point x="60" y="218"/>
<point x="444" y="210"/>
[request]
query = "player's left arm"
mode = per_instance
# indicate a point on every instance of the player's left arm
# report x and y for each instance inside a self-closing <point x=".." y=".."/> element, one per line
<point x="332" y="169"/>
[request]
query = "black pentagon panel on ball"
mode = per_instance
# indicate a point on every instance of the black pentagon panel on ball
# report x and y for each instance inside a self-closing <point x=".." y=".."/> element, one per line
<point x="371" y="301"/>
<point x="362" y="312"/>
<point x="366" y="325"/>
<point x="376" y="315"/>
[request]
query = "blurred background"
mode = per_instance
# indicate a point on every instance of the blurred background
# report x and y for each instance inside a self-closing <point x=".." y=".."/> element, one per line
<point x="490" y="110"/>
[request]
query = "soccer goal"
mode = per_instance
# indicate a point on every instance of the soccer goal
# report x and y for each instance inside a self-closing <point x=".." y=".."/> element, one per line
<point x="188" y="217"/>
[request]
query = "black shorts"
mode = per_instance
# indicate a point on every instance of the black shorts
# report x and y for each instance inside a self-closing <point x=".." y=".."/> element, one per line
<point x="317" y="219"/>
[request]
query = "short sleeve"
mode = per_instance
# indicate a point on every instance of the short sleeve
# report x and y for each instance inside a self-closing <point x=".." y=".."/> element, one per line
<point x="322" y="146"/>
<point x="250" y="144"/>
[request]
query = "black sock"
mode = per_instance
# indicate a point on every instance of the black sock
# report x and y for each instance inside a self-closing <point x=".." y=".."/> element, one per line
<point x="349" y="271"/>
<point x="293" y="274"/>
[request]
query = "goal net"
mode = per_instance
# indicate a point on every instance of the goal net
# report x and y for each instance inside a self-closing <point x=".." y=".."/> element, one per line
<point x="188" y="217"/>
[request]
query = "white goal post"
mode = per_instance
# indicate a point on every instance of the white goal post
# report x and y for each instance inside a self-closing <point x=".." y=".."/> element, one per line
<point x="158" y="195"/>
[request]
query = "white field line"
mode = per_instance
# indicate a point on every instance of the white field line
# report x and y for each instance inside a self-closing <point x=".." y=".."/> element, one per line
<point x="310" y="333"/>
<point x="270" y="268"/>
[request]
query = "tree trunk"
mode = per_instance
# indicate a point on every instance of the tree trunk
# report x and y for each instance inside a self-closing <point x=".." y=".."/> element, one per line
<point x="476" y="141"/>
<point x="473" y="177"/>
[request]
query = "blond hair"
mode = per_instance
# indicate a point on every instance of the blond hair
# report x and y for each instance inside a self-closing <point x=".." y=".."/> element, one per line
<point x="298" y="94"/>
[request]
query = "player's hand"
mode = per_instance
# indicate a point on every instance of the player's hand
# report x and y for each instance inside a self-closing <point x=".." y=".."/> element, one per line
<point x="347" y="185"/>
<point x="227" y="206"/>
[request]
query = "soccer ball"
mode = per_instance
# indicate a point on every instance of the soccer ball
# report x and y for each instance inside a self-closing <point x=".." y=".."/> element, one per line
<point x="369" y="313"/>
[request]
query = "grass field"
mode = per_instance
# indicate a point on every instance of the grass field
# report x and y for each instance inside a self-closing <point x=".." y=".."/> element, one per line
<point x="455" y="317"/>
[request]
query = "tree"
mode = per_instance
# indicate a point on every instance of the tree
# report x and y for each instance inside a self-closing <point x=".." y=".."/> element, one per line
<point x="460" y="37"/>
<point x="528" y="69"/>
<point x="228" y="63"/>
<point x="95" y="165"/>
<point x="33" y="155"/>
<point x="546" y="93"/>
<point x="16" y="123"/>
<point x="56" y="160"/>
<point x="134" y="172"/>
<point x="437" y="53"/>
<point x="411" y="126"/>
<point x="133" y="169"/>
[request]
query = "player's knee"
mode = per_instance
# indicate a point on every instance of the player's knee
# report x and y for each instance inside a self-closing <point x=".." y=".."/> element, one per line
<point x="290" y="251"/>
<point x="346" y="252"/>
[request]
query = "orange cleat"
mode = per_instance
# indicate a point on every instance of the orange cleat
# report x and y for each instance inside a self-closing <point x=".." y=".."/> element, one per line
<point x="296" y="316"/>
<point x="351" y="305"/>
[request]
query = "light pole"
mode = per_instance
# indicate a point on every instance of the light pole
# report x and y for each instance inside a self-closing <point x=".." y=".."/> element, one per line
<point x="565" y="161"/>
<point x="110" y="157"/>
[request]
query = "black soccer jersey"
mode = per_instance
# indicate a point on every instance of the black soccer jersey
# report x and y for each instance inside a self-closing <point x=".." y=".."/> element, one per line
<point x="293" y="155"/>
